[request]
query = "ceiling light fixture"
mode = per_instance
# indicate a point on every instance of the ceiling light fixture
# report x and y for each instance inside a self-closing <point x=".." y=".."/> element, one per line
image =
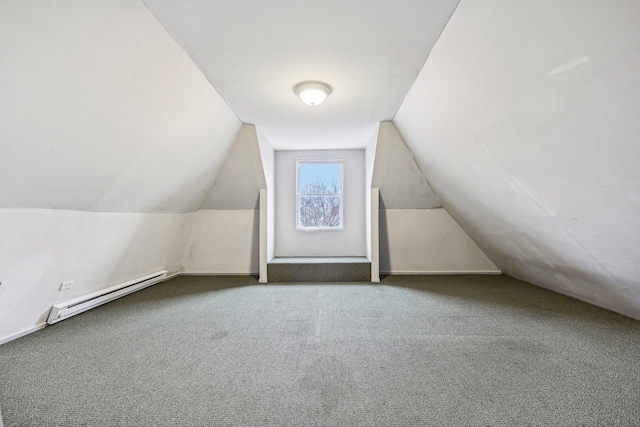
<point x="312" y="93"/>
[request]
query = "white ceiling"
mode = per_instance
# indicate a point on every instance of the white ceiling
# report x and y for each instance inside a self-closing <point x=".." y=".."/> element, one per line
<point x="255" y="51"/>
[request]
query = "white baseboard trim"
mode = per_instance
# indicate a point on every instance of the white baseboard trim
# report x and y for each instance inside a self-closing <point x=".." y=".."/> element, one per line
<point x="438" y="273"/>
<point x="199" y="273"/>
<point x="22" y="333"/>
<point x="171" y="276"/>
<point x="43" y="325"/>
<point x="217" y="273"/>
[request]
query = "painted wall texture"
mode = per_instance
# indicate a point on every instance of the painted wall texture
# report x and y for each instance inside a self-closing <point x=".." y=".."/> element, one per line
<point x="101" y="110"/>
<point x="524" y="120"/>
<point x="110" y="137"/>
<point x="416" y="236"/>
<point x="427" y="241"/>
<point x="238" y="183"/>
<point x="369" y="164"/>
<point x="223" y="242"/>
<point x="41" y="248"/>
<point x="401" y="182"/>
<point x="268" y="154"/>
<point x="351" y="240"/>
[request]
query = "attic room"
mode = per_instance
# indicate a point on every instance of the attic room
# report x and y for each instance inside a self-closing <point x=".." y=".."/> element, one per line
<point x="447" y="236"/>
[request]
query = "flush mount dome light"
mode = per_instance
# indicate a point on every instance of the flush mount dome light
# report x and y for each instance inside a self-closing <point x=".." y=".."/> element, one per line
<point x="312" y="93"/>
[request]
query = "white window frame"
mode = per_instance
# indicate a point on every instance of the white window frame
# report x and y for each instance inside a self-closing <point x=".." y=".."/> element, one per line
<point x="340" y="161"/>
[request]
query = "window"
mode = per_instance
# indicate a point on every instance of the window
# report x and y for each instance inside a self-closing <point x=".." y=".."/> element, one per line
<point x="319" y="194"/>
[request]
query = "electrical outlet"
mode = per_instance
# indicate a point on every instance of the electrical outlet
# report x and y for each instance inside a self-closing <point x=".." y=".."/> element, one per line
<point x="66" y="285"/>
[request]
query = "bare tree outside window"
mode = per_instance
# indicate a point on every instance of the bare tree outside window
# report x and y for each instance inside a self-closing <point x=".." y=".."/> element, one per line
<point x="319" y="195"/>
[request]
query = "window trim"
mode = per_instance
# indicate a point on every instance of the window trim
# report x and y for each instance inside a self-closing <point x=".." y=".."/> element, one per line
<point x="337" y="160"/>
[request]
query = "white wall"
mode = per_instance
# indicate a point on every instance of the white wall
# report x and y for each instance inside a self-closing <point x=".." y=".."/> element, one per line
<point x="369" y="158"/>
<point x="427" y="241"/>
<point x="41" y="248"/>
<point x="267" y="154"/>
<point x="351" y="241"/>
<point x="524" y="120"/>
<point x="225" y="235"/>
<point x="102" y="111"/>
<point x="223" y="242"/>
<point x="253" y="52"/>
<point x="415" y="238"/>
<point x="241" y="176"/>
<point x="401" y="182"/>
<point x="110" y="134"/>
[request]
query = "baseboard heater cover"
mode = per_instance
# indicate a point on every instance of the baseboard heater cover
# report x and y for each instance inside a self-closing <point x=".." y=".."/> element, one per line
<point x="64" y="310"/>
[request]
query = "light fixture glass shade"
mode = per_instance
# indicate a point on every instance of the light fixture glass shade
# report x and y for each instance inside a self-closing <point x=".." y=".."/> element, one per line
<point x="312" y="93"/>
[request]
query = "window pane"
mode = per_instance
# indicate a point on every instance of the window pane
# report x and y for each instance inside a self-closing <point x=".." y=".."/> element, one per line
<point x="319" y="178"/>
<point x="319" y="212"/>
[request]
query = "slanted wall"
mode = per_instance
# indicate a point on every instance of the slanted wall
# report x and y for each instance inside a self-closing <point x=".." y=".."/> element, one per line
<point x="524" y="119"/>
<point x="225" y="235"/>
<point x="111" y="137"/>
<point x="417" y="236"/>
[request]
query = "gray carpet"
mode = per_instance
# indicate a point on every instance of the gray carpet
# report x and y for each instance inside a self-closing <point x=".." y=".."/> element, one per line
<point x="226" y="351"/>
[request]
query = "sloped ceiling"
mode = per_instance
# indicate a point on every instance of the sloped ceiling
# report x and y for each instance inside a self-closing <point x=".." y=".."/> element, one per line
<point x="401" y="183"/>
<point x="524" y="118"/>
<point x="255" y="51"/>
<point x="241" y="176"/>
<point x="101" y="110"/>
<point x="525" y="122"/>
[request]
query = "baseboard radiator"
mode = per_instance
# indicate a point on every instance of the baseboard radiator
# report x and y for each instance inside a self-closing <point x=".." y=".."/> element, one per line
<point x="64" y="310"/>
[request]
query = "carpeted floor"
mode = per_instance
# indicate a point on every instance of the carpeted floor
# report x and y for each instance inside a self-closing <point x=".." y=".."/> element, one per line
<point x="226" y="351"/>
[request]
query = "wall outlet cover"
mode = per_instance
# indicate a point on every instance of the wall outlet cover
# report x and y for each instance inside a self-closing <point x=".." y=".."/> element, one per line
<point x="66" y="285"/>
